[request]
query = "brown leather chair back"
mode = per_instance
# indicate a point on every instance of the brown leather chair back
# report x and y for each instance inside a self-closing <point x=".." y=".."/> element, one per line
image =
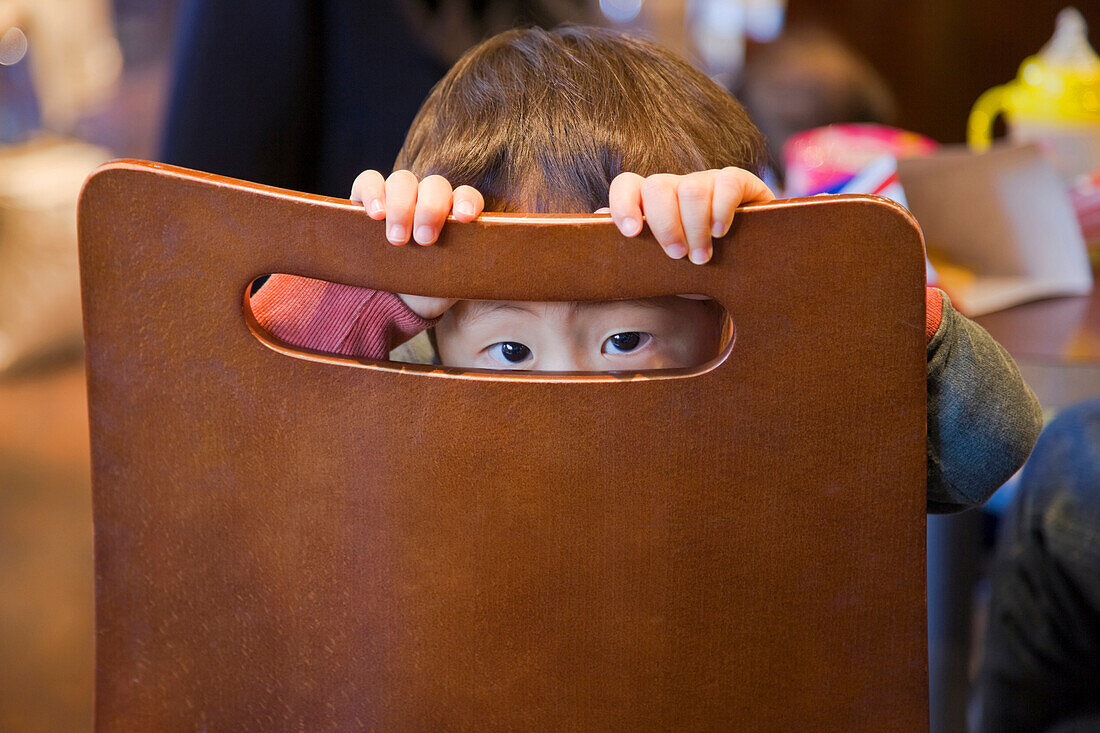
<point x="321" y="543"/>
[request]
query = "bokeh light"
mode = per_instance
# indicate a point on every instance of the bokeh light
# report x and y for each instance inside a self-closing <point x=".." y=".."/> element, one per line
<point x="13" y="46"/>
<point x="621" y="11"/>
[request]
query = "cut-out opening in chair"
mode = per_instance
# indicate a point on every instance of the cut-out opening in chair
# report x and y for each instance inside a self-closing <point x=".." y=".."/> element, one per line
<point x="663" y="336"/>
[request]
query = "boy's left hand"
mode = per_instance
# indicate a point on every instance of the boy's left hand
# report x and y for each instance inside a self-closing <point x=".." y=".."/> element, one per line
<point x="684" y="212"/>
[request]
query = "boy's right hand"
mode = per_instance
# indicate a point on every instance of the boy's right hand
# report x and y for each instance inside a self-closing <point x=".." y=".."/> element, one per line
<point x="416" y="208"/>
<point x="419" y="209"/>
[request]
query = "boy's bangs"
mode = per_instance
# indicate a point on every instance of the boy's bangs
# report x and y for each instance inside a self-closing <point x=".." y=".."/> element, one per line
<point x="542" y="121"/>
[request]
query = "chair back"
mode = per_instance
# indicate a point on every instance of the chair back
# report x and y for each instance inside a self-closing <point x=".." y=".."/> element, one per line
<point x="292" y="541"/>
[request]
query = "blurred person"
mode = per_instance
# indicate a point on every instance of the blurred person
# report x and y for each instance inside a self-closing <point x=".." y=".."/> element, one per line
<point x="808" y="78"/>
<point x="446" y="28"/>
<point x="1040" y="666"/>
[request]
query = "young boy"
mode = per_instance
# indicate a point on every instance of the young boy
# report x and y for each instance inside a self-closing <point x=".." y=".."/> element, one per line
<point x="581" y="120"/>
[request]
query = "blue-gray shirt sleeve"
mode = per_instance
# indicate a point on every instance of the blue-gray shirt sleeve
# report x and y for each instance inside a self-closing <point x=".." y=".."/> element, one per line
<point x="983" y="419"/>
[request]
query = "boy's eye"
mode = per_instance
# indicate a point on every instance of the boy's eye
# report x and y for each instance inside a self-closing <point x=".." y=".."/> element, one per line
<point x="625" y="342"/>
<point x="509" y="352"/>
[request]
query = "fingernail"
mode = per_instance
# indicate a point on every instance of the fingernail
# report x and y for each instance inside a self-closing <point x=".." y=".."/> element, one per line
<point x="699" y="256"/>
<point x="676" y="251"/>
<point x="716" y="230"/>
<point x="376" y="207"/>
<point x="465" y="208"/>
<point x="396" y="234"/>
<point x="631" y="227"/>
<point x="424" y="235"/>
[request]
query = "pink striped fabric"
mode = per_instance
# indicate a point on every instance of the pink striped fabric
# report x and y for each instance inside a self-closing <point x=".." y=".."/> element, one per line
<point x="933" y="312"/>
<point x="335" y="318"/>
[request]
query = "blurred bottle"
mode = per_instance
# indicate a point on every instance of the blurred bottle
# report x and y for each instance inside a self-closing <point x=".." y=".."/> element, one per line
<point x="1054" y="102"/>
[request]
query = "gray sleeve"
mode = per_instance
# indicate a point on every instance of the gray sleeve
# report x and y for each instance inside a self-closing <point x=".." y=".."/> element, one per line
<point x="983" y="419"/>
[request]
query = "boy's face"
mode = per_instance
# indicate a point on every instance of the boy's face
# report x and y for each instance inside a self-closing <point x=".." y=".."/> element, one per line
<point x="625" y="335"/>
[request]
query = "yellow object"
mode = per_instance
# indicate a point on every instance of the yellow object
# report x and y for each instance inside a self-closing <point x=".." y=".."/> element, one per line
<point x="1056" y="92"/>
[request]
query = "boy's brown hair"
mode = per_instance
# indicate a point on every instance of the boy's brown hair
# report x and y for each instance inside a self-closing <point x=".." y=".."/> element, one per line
<point x="542" y="121"/>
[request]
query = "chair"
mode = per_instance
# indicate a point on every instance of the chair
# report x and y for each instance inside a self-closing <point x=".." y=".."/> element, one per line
<point x="294" y="541"/>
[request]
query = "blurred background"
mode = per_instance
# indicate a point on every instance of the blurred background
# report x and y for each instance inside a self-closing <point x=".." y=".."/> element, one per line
<point x="305" y="94"/>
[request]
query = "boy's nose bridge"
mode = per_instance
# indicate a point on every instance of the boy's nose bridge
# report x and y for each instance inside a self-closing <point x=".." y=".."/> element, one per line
<point x="563" y="347"/>
<point x="585" y="355"/>
<point x="569" y="356"/>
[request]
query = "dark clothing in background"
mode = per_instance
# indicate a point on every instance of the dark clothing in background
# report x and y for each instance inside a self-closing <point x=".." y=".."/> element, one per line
<point x="302" y="94"/>
<point x="1041" y="664"/>
<point x="306" y="94"/>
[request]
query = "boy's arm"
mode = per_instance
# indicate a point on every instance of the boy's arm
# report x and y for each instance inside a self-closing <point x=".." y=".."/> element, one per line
<point x="983" y="419"/>
<point x="335" y="318"/>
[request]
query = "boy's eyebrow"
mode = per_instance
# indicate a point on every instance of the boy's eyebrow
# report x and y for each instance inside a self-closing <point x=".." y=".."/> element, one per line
<point x="655" y="303"/>
<point x="480" y="309"/>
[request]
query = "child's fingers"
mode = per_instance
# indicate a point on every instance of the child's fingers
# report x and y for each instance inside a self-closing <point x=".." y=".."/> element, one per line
<point x="468" y="203"/>
<point x="733" y="187"/>
<point x="370" y="188"/>
<point x="756" y="191"/>
<point x="625" y="199"/>
<point x="694" y="193"/>
<point x="662" y="213"/>
<point x="728" y="189"/>
<point x="433" y="203"/>
<point x="401" y="189"/>
<point x="426" y="307"/>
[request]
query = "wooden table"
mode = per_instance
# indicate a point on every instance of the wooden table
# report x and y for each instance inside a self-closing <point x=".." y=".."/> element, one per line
<point x="1056" y="343"/>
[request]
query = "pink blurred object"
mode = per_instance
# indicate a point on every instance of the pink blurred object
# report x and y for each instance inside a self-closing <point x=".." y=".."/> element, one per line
<point x="1085" y="198"/>
<point x="853" y="158"/>
<point x="827" y="159"/>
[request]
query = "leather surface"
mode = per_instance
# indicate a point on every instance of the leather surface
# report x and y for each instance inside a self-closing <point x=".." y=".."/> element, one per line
<point x="315" y="544"/>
